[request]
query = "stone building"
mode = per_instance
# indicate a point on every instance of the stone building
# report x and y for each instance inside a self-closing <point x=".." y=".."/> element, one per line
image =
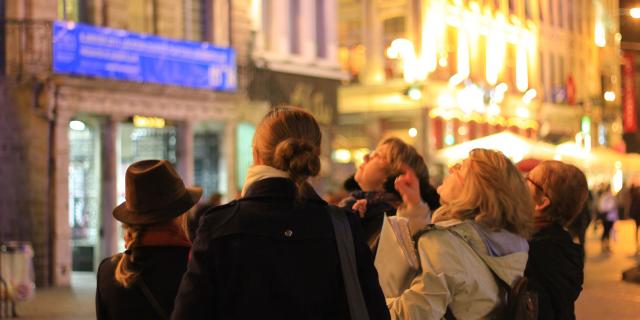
<point x="66" y="138"/>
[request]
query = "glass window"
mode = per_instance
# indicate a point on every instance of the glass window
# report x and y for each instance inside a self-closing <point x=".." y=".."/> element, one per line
<point x="294" y="26"/>
<point x="321" y="41"/>
<point x="74" y="10"/>
<point x="244" y="152"/>
<point x="198" y="18"/>
<point x="206" y="160"/>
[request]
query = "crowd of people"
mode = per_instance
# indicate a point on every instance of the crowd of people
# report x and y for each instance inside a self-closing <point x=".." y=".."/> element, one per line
<point x="280" y="251"/>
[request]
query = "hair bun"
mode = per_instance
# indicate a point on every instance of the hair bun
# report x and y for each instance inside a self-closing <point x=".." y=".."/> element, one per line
<point x="298" y="157"/>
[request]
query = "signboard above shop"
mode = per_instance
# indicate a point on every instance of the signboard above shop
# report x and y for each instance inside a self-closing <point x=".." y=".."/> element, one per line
<point x="85" y="50"/>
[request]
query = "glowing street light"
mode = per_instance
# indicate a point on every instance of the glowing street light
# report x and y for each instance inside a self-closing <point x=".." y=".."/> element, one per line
<point x="635" y="13"/>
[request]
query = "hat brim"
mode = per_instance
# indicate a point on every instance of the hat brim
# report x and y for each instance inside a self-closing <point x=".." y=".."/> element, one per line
<point x="172" y="210"/>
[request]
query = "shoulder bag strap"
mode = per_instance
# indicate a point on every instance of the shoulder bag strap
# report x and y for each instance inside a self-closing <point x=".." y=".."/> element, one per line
<point x="152" y="300"/>
<point x="347" y="254"/>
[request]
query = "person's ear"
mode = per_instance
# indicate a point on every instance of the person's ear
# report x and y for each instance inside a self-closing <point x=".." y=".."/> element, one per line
<point x="256" y="157"/>
<point x="543" y="204"/>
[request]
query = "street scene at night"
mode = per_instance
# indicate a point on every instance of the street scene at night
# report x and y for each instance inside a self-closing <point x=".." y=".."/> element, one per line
<point x="319" y="159"/>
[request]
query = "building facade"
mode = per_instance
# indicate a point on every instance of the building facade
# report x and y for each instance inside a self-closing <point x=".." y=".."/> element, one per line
<point x="442" y="72"/>
<point x="295" y="62"/>
<point x="68" y="138"/>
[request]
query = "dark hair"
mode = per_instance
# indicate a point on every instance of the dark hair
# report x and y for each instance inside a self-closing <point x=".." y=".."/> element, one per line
<point x="288" y="139"/>
<point x="567" y="188"/>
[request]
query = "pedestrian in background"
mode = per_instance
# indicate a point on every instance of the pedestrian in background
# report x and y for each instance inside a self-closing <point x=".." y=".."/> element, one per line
<point x="273" y="254"/>
<point x="142" y="282"/>
<point x="634" y="212"/>
<point x="480" y="230"/>
<point x="608" y="210"/>
<point x="555" y="265"/>
<point x="194" y="216"/>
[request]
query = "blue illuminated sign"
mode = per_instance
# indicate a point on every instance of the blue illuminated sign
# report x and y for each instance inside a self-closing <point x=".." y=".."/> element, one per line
<point x="85" y="50"/>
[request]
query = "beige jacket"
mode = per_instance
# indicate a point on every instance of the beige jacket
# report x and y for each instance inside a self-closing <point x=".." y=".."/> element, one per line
<point x="453" y="275"/>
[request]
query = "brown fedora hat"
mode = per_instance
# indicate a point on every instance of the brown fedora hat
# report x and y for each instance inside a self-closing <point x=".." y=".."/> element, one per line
<point x="154" y="193"/>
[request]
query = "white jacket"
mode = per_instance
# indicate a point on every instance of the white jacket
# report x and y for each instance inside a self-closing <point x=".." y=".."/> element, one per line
<point x="453" y="275"/>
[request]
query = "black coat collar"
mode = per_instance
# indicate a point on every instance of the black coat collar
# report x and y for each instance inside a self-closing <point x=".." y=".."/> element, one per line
<point x="280" y="188"/>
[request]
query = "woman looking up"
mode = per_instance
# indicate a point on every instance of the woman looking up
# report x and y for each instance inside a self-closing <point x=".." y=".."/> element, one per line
<point x="480" y="230"/>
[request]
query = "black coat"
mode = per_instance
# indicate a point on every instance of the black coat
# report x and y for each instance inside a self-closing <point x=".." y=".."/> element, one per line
<point x="555" y="271"/>
<point x="270" y="256"/>
<point x="163" y="267"/>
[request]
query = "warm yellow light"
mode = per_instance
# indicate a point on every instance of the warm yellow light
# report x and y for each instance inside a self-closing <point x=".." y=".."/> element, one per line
<point x="148" y="122"/>
<point x="358" y="155"/>
<point x="496" y="47"/>
<point x="463" y="55"/>
<point x="522" y="112"/>
<point x="617" y="180"/>
<point x="610" y="96"/>
<point x="634" y="13"/>
<point x="522" y="74"/>
<point x="529" y="96"/>
<point x="342" y="156"/>
<point x="413" y="132"/>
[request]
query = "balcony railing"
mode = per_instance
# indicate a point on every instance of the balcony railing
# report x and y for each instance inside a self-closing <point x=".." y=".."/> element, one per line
<point x="26" y="47"/>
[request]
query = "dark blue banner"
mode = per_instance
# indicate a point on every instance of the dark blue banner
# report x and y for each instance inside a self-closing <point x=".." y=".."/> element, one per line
<point x="86" y="50"/>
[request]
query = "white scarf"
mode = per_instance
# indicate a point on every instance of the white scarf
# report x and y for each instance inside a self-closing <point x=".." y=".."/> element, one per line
<point x="259" y="172"/>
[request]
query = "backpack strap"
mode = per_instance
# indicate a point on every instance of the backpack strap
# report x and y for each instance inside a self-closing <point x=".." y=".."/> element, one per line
<point x="347" y="255"/>
<point x="152" y="300"/>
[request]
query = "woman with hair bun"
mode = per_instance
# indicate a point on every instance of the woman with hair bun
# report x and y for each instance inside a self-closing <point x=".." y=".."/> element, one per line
<point x="273" y="254"/>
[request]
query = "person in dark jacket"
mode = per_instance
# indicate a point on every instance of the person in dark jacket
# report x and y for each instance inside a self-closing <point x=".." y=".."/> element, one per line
<point x="142" y="282"/>
<point x="272" y="253"/>
<point x="555" y="265"/>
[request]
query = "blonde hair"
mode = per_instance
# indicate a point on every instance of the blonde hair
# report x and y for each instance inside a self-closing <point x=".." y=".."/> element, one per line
<point x="127" y="270"/>
<point x="289" y="139"/>
<point x="494" y="194"/>
<point x="567" y="189"/>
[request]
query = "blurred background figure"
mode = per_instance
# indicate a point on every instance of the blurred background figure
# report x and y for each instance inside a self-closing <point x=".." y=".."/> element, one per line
<point x="193" y="220"/>
<point x="634" y="211"/>
<point x="608" y="212"/>
<point x="578" y="227"/>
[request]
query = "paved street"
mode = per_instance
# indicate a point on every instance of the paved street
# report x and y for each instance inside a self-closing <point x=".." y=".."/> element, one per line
<point x="605" y="296"/>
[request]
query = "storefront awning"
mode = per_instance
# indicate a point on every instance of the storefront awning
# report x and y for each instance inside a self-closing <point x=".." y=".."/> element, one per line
<point x="599" y="164"/>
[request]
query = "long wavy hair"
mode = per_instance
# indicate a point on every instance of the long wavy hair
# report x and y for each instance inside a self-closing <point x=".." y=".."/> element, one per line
<point x="494" y="194"/>
<point x="128" y="268"/>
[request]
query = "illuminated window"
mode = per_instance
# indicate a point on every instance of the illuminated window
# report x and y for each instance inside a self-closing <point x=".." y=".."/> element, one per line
<point x="74" y="10"/>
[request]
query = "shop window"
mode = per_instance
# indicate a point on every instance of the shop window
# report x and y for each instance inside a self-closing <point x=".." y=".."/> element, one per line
<point x="84" y="192"/>
<point x="244" y="152"/>
<point x="206" y="160"/>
